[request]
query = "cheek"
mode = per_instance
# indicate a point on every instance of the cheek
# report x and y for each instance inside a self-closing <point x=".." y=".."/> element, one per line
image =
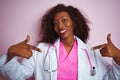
<point x="55" y="29"/>
<point x="70" y="26"/>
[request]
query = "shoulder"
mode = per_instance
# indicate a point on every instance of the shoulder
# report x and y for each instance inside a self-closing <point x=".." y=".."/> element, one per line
<point x="42" y="45"/>
<point x="88" y="46"/>
<point x="38" y="56"/>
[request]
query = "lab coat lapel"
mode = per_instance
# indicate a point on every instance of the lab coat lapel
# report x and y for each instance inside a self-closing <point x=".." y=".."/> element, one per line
<point x="83" y="64"/>
<point x="54" y="51"/>
<point x="57" y="45"/>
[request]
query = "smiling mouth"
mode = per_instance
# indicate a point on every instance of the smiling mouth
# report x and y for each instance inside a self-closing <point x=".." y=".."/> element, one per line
<point x="63" y="31"/>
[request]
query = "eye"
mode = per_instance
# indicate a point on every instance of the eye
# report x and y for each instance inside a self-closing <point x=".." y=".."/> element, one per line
<point x="64" y="20"/>
<point x="55" y="23"/>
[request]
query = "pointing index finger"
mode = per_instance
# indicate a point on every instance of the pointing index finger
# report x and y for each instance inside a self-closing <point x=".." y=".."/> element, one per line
<point x="34" y="48"/>
<point x="98" y="47"/>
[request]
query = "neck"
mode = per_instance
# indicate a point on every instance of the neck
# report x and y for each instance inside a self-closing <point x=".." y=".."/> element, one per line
<point x="68" y="41"/>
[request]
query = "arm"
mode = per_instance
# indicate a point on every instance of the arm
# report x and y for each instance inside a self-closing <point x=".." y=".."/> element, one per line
<point x="22" y="49"/>
<point x="109" y="50"/>
<point x="11" y="68"/>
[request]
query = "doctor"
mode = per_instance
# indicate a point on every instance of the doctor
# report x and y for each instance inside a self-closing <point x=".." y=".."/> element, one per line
<point x="62" y="53"/>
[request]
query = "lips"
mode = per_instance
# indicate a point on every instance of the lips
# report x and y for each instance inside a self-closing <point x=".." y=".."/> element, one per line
<point x="63" y="31"/>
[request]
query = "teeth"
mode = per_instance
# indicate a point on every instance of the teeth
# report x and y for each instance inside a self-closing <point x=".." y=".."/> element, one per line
<point x="63" y="31"/>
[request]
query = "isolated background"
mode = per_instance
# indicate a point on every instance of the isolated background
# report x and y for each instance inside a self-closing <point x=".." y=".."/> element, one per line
<point x="21" y="17"/>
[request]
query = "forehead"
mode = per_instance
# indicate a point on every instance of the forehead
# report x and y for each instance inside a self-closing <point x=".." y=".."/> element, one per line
<point x="61" y="15"/>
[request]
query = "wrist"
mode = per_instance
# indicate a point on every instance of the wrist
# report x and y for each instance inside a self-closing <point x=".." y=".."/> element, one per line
<point x="117" y="60"/>
<point x="10" y="54"/>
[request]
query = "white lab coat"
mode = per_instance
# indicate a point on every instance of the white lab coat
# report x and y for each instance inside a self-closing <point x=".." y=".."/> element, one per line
<point x="14" y="70"/>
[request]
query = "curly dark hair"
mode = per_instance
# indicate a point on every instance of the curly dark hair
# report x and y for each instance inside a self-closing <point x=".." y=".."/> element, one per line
<point x="80" y="23"/>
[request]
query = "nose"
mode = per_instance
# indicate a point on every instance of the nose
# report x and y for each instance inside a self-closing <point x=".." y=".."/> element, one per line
<point x="61" y="25"/>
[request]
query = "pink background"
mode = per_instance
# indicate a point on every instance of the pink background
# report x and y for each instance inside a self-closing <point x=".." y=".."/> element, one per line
<point x="21" y="17"/>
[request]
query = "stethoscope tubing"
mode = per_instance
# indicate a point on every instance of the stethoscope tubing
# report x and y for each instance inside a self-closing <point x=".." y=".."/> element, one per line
<point x="92" y="69"/>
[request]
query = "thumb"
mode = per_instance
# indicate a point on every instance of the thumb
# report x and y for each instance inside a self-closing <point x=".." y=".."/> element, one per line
<point x="109" y="39"/>
<point x="27" y="39"/>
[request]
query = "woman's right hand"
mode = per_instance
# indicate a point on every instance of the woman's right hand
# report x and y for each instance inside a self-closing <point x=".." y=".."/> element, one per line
<point x="22" y="49"/>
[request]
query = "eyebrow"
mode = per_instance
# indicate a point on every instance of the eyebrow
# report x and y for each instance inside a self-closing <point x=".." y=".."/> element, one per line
<point x="61" y="17"/>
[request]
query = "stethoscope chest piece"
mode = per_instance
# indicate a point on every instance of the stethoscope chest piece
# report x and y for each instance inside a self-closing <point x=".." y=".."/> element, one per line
<point x="92" y="72"/>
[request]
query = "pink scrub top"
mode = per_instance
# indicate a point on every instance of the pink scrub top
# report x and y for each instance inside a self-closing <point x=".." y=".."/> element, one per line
<point x="68" y="63"/>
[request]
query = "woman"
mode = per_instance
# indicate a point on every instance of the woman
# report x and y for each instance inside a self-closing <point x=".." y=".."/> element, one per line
<point x="62" y="53"/>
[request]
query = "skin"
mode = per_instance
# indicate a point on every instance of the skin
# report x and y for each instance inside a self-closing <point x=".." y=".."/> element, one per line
<point x="109" y="50"/>
<point x="22" y="49"/>
<point x="63" y="26"/>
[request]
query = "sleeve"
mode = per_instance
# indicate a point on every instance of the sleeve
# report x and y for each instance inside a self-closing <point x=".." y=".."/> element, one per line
<point x="113" y="73"/>
<point x="13" y="70"/>
<point x="105" y="70"/>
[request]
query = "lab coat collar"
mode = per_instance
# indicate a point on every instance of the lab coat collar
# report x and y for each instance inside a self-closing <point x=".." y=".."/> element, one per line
<point x="81" y="63"/>
<point x="79" y="41"/>
<point x="81" y="44"/>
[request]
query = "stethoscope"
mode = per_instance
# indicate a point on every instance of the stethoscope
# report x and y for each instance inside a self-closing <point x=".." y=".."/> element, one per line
<point x="48" y="68"/>
<point x="92" y="68"/>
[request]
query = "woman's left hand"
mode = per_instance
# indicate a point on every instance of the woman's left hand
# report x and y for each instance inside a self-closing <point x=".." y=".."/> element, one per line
<point x="109" y="50"/>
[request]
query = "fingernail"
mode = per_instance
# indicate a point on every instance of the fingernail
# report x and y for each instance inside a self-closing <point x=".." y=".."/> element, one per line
<point x="40" y="50"/>
<point x="91" y="49"/>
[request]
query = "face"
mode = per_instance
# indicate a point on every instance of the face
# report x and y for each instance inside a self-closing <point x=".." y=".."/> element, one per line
<point x="63" y="25"/>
